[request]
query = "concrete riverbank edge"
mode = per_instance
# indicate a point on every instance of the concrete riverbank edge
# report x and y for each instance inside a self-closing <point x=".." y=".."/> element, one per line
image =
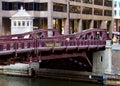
<point x="106" y="79"/>
<point x="68" y="75"/>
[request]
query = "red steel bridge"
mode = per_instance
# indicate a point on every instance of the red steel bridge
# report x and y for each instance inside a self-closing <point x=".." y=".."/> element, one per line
<point x="38" y="47"/>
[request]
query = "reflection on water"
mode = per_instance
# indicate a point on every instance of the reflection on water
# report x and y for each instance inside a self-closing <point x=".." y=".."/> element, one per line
<point x="20" y="81"/>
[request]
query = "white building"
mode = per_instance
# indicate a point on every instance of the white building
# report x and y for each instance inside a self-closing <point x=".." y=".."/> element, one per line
<point x="21" y="22"/>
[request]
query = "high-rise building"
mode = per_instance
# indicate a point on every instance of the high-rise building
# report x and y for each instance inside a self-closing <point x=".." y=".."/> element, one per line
<point x="116" y="15"/>
<point x="68" y="16"/>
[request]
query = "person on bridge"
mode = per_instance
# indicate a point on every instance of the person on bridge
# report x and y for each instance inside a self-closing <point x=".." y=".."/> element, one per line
<point x="114" y="40"/>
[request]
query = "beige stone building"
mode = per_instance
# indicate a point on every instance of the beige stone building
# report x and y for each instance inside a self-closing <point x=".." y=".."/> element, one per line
<point x="82" y="14"/>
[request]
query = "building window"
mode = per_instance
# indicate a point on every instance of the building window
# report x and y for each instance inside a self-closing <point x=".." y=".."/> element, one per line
<point x="19" y="23"/>
<point x="98" y="11"/>
<point x="43" y="6"/>
<point x="29" y="6"/>
<point x="14" y="23"/>
<point x="5" y="6"/>
<point x="87" y="10"/>
<point x="108" y="3"/>
<point x="14" y="6"/>
<point x="63" y="8"/>
<point x="23" y="23"/>
<point x="119" y="4"/>
<point x="43" y="23"/>
<point x="36" y="6"/>
<point x="31" y="23"/>
<point x="74" y="9"/>
<point x="76" y="0"/>
<point x="87" y="1"/>
<point x="26" y="5"/>
<point x="101" y="59"/>
<point x="59" y="7"/>
<point x="98" y="2"/>
<point x="119" y="12"/>
<point x="97" y="23"/>
<point x="28" y="23"/>
<point x="108" y="13"/>
<point x="115" y="12"/>
<point x="115" y="3"/>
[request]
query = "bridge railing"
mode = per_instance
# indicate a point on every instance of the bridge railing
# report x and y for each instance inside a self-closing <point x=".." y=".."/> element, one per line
<point x="60" y="43"/>
<point x="26" y="44"/>
<point x="86" y="38"/>
<point x="14" y="44"/>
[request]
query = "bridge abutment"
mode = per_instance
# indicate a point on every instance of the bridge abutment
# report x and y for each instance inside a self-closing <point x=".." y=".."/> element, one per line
<point x="102" y="60"/>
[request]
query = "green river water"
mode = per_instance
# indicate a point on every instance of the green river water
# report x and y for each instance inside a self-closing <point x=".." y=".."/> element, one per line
<point x="23" y="81"/>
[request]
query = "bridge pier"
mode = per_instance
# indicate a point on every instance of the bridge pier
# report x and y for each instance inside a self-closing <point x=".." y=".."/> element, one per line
<point x="102" y="60"/>
<point x="34" y="65"/>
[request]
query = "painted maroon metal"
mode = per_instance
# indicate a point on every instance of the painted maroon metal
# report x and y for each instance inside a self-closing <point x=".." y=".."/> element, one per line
<point x="85" y="38"/>
<point x="26" y="44"/>
<point x="38" y="41"/>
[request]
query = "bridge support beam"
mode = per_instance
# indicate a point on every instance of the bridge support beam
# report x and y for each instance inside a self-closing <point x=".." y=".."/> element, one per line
<point x="102" y="60"/>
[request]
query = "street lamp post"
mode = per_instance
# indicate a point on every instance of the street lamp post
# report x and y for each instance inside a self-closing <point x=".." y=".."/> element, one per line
<point x="68" y="16"/>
